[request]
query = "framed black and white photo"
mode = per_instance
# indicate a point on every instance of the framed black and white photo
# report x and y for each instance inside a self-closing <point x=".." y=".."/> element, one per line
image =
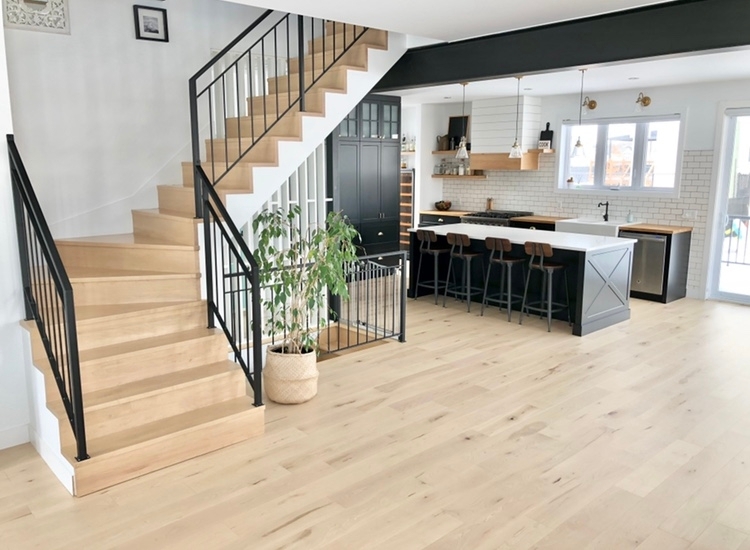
<point x="151" y="23"/>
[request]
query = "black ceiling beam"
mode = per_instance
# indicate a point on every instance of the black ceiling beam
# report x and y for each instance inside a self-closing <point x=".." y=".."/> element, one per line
<point x="668" y="29"/>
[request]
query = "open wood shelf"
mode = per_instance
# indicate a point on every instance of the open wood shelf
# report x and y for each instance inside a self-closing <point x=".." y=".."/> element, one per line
<point x="451" y="177"/>
<point x="448" y="152"/>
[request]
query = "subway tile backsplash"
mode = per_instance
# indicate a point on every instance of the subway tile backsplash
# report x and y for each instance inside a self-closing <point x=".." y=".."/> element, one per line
<point x="534" y="191"/>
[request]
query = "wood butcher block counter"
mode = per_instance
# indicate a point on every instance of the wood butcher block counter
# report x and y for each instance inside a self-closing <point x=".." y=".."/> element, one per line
<point x="598" y="268"/>
<point x="452" y="213"/>
<point x="657" y="229"/>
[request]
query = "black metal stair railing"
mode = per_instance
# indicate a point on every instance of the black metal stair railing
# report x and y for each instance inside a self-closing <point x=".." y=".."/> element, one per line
<point x="48" y="296"/>
<point x="232" y="285"/>
<point x="239" y="96"/>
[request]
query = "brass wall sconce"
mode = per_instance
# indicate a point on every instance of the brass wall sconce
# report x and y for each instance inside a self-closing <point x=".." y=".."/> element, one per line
<point x="589" y="104"/>
<point x="642" y="101"/>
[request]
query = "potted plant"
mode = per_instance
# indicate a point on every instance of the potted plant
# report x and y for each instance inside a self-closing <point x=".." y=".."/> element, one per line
<point x="297" y="269"/>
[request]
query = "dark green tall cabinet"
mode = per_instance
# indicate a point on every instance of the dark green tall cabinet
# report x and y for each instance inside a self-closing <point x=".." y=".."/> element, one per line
<point x="364" y="155"/>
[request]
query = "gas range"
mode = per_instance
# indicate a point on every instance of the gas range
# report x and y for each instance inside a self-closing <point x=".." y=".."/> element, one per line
<point x="493" y="217"/>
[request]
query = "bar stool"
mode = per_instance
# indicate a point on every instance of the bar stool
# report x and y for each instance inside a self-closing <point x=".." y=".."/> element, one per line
<point x="427" y="240"/>
<point x="460" y="244"/>
<point x="498" y="256"/>
<point x="538" y="252"/>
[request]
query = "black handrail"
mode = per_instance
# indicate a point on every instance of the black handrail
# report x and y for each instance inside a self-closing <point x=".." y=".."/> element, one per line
<point x="224" y="91"/>
<point x="48" y="296"/>
<point x="232" y="273"/>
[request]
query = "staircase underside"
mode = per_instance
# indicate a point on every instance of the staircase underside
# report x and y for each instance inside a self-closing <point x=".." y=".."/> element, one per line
<point x="158" y="387"/>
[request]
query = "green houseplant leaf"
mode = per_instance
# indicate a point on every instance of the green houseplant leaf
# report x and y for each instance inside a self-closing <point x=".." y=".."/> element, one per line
<point x="296" y="268"/>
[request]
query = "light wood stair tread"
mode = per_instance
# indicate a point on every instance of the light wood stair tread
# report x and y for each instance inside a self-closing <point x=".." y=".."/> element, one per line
<point x="155" y="384"/>
<point x="90" y="274"/>
<point x="86" y="313"/>
<point x="99" y="447"/>
<point x="125" y="240"/>
<point x="132" y="346"/>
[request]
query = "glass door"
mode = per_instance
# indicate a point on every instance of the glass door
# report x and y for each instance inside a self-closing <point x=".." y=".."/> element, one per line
<point x="731" y="280"/>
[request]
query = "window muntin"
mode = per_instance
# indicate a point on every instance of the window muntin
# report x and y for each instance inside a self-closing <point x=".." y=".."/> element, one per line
<point x="625" y="154"/>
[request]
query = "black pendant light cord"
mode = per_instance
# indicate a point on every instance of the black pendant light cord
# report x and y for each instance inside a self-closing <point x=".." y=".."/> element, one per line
<point x="463" y="110"/>
<point x="580" y="102"/>
<point x="518" y="96"/>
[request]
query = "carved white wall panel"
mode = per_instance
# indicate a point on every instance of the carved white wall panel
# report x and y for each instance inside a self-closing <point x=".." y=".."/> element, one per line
<point x="37" y="15"/>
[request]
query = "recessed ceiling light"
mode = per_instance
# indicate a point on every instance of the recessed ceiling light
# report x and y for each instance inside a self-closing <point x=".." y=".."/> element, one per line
<point x="634" y="78"/>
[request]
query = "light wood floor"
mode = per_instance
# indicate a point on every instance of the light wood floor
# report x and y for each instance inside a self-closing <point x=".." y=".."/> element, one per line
<point x="475" y="434"/>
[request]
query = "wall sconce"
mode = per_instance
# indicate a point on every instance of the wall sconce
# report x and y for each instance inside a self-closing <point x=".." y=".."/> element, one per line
<point x="588" y="104"/>
<point x="641" y="102"/>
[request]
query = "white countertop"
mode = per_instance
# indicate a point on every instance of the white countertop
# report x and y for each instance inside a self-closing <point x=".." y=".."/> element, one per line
<point x="564" y="241"/>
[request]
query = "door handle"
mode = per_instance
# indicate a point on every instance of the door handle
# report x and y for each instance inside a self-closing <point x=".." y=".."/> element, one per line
<point x="380" y="233"/>
<point x="440" y="220"/>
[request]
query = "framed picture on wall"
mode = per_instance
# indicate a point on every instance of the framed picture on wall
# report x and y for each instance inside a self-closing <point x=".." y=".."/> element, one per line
<point x="151" y="23"/>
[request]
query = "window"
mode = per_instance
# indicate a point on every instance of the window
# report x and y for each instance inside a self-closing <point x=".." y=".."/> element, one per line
<point x="639" y="154"/>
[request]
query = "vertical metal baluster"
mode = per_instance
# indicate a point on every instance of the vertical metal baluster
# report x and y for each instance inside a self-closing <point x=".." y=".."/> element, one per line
<point x="257" y="336"/>
<point x="23" y="238"/>
<point x="402" y="336"/>
<point x="333" y="50"/>
<point x="211" y="135"/>
<point x="207" y="226"/>
<point x="301" y="57"/>
<point x="237" y="98"/>
<point x="265" y="84"/>
<point x="276" y="70"/>
<point x="250" y="100"/>
<point x="223" y="277"/>
<point x="224" y="110"/>
<point x="33" y="269"/>
<point x="195" y="140"/>
<point x="288" y="65"/>
<point x="219" y="271"/>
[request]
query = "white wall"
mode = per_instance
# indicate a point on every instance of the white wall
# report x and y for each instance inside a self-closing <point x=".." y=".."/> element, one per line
<point x="101" y="118"/>
<point x="14" y="413"/>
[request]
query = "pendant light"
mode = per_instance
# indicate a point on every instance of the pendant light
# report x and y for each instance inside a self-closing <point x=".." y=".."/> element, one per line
<point x="462" y="153"/>
<point x="578" y="147"/>
<point x="515" y="151"/>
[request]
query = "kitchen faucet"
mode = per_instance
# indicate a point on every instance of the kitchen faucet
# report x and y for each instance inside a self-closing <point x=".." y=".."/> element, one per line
<point x="606" y="210"/>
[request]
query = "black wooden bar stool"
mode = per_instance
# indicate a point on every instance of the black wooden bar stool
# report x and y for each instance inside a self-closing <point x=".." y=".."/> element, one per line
<point x="427" y="246"/>
<point x="498" y="256"/>
<point x="538" y="254"/>
<point x="460" y="250"/>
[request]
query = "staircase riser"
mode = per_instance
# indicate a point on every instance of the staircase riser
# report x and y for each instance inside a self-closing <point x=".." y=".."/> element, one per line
<point x="125" y="257"/>
<point x="314" y="102"/>
<point x="90" y="293"/>
<point x="178" y="231"/>
<point x="105" y="332"/>
<point x="176" y="199"/>
<point x="265" y="151"/>
<point x="150" y="408"/>
<point x="122" y="369"/>
<point x="95" y="474"/>
<point x="357" y="55"/>
<point x="239" y="178"/>
<point x="373" y="38"/>
<point x="333" y="80"/>
<point x="289" y="125"/>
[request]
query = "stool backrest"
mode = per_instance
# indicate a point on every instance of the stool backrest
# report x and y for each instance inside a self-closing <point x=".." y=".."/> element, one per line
<point x="496" y="244"/>
<point x="426" y="238"/>
<point x="459" y="240"/>
<point x="540" y="250"/>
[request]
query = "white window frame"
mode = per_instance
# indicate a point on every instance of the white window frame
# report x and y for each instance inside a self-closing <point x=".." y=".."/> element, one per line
<point x="561" y="185"/>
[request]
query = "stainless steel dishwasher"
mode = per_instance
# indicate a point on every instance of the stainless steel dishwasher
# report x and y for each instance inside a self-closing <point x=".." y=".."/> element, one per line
<point x="649" y="260"/>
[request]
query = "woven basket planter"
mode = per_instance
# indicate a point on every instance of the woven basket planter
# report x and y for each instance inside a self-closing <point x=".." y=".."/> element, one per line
<point x="290" y="377"/>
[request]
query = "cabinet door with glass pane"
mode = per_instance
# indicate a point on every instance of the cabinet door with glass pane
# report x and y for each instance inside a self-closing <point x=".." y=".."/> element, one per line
<point x="380" y="119"/>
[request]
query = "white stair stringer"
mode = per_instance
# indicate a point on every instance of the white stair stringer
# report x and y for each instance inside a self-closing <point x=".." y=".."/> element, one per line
<point x="267" y="180"/>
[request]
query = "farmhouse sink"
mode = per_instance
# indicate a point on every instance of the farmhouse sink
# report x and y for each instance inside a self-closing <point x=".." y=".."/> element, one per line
<point x="586" y="226"/>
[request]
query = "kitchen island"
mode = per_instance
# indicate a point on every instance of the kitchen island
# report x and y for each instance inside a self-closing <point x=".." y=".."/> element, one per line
<point x="598" y="268"/>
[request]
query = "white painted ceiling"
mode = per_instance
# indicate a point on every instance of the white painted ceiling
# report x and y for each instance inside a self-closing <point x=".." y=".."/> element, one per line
<point x="714" y="66"/>
<point x="450" y="20"/>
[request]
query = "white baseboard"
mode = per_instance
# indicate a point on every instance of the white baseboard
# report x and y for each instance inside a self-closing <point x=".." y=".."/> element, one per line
<point x="10" y="437"/>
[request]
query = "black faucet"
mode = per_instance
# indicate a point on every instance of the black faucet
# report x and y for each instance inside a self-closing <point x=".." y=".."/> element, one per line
<point x="606" y="210"/>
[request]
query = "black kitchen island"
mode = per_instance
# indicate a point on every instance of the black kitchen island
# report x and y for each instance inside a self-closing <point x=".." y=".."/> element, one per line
<point x="598" y="268"/>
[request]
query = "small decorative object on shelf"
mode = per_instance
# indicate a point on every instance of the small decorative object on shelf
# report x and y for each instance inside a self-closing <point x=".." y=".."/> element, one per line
<point x="546" y="135"/>
<point x="544" y="145"/>
<point x="443" y="205"/>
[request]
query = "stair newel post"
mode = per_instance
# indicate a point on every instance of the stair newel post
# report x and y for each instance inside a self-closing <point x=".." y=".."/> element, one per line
<point x="76" y="394"/>
<point x="301" y="57"/>
<point x="195" y="137"/>
<point x="23" y="246"/>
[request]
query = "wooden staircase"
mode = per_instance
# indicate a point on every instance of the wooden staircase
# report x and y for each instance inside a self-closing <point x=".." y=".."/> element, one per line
<point x="158" y="386"/>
